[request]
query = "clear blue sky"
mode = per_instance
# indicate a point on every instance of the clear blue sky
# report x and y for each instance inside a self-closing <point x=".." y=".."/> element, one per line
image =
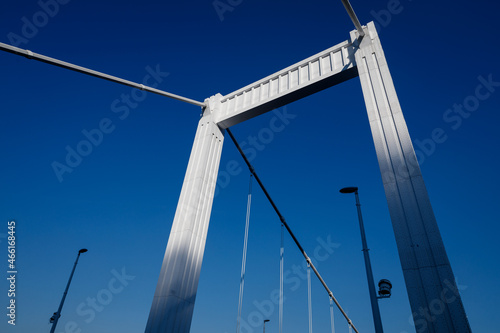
<point x="120" y="199"/>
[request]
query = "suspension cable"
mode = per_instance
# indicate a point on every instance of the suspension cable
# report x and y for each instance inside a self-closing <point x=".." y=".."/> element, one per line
<point x="353" y="17"/>
<point x="282" y="219"/>
<point x="31" y="55"/>
<point x="244" y="258"/>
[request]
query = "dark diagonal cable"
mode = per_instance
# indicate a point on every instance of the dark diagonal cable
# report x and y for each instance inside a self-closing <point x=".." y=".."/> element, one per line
<point x="282" y="219"/>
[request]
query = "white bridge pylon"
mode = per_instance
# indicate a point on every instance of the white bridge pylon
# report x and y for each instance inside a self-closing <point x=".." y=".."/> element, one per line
<point x="428" y="275"/>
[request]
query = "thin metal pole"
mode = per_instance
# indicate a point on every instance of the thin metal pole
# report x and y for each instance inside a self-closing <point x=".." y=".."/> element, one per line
<point x="377" y="321"/>
<point x="244" y="259"/>
<point x="282" y="219"/>
<point x="353" y="17"/>
<point x="31" y="55"/>
<point x="282" y="264"/>
<point x="58" y="313"/>
<point x="331" y="316"/>
<point x="309" y="298"/>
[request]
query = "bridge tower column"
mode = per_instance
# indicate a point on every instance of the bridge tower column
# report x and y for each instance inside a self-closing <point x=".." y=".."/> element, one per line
<point x="430" y="283"/>
<point x="175" y="294"/>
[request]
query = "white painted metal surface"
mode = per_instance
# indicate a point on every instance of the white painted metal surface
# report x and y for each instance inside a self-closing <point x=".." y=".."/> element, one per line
<point x="321" y="71"/>
<point x="427" y="271"/>
<point x="173" y="302"/>
<point x="428" y="276"/>
<point x="430" y="282"/>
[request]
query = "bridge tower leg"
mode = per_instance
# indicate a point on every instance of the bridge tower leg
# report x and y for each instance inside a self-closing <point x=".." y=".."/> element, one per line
<point x="434" y="299"/>
<point x="175" y="294"/>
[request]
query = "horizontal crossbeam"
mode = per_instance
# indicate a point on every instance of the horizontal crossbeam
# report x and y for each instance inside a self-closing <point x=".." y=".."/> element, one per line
<point x="31" y="55"/>
<point x="321" y="71"/>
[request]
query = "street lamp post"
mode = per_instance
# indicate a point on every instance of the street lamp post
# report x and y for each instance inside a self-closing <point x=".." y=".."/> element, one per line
<point x="377" y="321"/>
<point x="265" y="321"/>
<point x="55" y="317"/>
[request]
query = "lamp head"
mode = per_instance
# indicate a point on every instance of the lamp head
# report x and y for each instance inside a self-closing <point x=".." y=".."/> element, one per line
<point x="348" y="190"/>
<point x="385" y="287"/>
<point x="82" y="251"/>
